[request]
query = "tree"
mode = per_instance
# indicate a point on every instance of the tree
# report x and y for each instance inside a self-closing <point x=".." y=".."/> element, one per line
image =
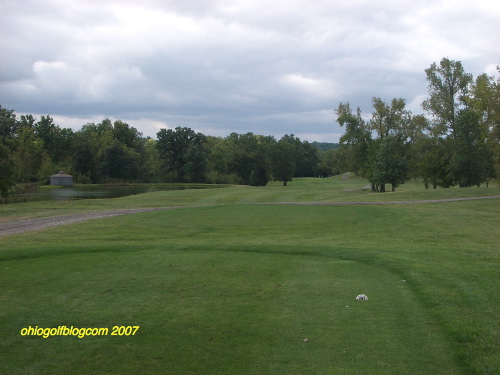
<point x="105" y="126"/>
<point x="48" y="132"/>
<point x="416" y="137"/>
<point x="485" y="101"/>
<point x="336" y="160"/>
<point x="388" y="119"/>
<point x="219" y="159"/>
<point x="28" y="155"/>
<point x="448" y="89"/>
<point x="7" y="171"/>
<point x="251" y="157"/>
<point x="89" y="145"/>
<point x="174" y="149"/>
<point x="388" y="163"/>
<point x="151" y="161"/>
<point x="357" y="138"/>
<point x="242" y="161"/>
<point x="8" y="125"/>
<point x="306" y="160"/>
<point x="472" y="162"/>
<point x="262" y="161"/>
<point x="84" y="162"/>
<point x="27" y="121"/>
<point x="127" y="135"/>
<point x="196" y="162"/>
<point x="435" y="163"/>
<point x="119" y="162"/>
<point x="283" y="161"/>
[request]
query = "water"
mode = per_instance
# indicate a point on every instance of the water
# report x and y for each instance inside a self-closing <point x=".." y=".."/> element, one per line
<point x="99" y="192"/>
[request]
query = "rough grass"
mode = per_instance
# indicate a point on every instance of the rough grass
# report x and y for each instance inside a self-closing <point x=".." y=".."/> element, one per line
<point x="237" y="288"/>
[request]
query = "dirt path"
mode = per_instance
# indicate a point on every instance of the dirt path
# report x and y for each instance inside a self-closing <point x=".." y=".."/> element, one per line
<point x="387" y="202"/>
<point x="13" y="227"/>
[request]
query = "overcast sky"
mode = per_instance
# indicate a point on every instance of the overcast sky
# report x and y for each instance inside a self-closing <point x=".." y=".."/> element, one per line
<point x="269" y="67"/>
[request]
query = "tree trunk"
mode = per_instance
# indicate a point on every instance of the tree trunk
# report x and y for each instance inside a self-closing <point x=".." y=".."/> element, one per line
<point x="382" y="188"/>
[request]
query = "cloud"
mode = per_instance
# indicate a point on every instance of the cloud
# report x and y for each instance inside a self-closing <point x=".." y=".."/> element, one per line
<point x="222" y="66"/>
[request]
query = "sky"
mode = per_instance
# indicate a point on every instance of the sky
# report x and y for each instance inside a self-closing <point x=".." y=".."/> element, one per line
<point x="269" y="67"/>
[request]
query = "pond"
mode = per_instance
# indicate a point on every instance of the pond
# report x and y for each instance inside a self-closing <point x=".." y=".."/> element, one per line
<point x="100" y="191"/>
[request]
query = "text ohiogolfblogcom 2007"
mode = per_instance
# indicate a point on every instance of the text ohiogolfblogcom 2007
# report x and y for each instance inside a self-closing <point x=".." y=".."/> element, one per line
<point x="79" y="332"/>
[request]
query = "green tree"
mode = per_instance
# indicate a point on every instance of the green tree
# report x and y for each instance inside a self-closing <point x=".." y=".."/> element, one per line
<point x="196" y="162"/>
<point x="28" y="155"/>
<point x="415" y="134"/>
<point x="283" y="161"/>
<point x="219" y="160"/>
<point x="388" y="163"/>
<point x="105" y="126"/>
<point x="396" y="163"/>
<point x="8" y="126"/>
<point x="471" y="162"/>
<point x="88" y="150"/>
<point x="174" y="149"/>
<point x="127" y="135"/>
<point x="26" y="121"/>
<point x="305" y="156"/>
<point x="92" y="160"/>
<point x="7" y="171"/>
<point x="388" y="121"/>
<point x="119" y="162"/>
<point x="49" y="133"/>
<point x="307" y="160"/>
<point x="151" y="160"/>
<point x="262" y="161"/>
<point x="485" y="101"/>
<point x="355" y="141"/>
<point x="66" y="139"/>
<point x="448" y="90"/>
<point x="388" y="118"/>
<point x="84" y="162"/>
<point x="243" y="148"/>
<point x="435" y="162"/>
<point x="482" y="99"/>
<point x="340" y="159"/>
<point x="251" y="157"/>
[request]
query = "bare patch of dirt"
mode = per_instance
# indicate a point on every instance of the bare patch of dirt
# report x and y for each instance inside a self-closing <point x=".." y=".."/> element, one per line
<point x="13" y="227"/>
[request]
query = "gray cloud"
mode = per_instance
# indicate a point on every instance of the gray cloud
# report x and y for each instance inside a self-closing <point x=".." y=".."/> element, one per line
<point x="231" y="66"/>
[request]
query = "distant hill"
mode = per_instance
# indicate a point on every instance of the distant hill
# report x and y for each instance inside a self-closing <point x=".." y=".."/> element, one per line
<point x="325" y="146"/>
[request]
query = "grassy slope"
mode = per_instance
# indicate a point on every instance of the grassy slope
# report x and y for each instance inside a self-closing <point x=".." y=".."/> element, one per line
<point x="235" y="289"/>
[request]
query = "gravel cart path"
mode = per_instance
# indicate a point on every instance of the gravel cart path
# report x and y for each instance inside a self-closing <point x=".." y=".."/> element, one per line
<point x="13" y="227"/>
<point x="387" y="202"/>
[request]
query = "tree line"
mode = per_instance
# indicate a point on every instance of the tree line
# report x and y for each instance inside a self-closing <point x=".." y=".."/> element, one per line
<point x="458" y="143"/>
<point x="31" y="150"/>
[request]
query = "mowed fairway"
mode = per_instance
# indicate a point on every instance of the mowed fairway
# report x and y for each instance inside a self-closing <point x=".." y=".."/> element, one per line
<point x="260" y="289"/>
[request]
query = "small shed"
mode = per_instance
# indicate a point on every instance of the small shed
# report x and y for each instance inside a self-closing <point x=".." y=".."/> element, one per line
<point x="61" y="179"/>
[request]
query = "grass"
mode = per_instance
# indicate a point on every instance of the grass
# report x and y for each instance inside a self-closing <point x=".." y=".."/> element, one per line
<point x="234" y="287"/>
<point x="333" y="189"/>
